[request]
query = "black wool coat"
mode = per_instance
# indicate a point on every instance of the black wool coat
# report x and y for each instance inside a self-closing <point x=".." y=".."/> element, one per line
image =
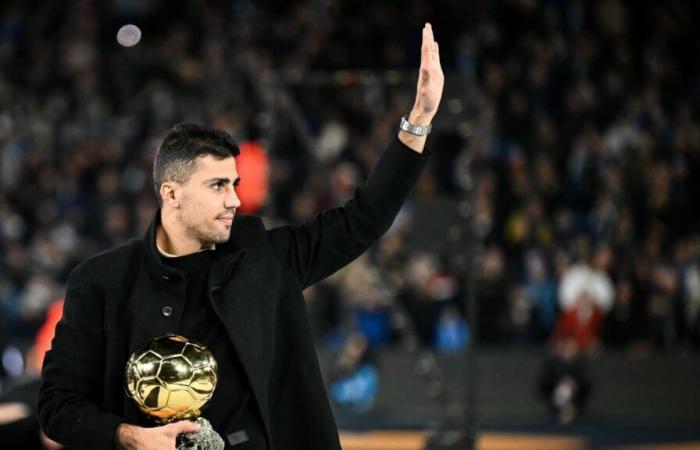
<point x="114" y="303"/>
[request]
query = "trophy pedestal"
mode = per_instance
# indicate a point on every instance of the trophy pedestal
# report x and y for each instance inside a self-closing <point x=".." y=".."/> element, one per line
<point x="203" y="439"/>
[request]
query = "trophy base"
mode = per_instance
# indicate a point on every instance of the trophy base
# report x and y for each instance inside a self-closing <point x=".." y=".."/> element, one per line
<point x="203" y="439"/>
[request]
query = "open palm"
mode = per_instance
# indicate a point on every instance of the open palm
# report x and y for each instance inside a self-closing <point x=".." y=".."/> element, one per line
<point x="430" y="79"/>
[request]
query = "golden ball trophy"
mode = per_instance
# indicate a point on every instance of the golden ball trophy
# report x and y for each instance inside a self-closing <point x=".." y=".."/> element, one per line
<point x="172" y="378"/>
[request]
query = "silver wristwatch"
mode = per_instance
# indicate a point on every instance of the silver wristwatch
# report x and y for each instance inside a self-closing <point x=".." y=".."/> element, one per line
<point x="413" y="129"/>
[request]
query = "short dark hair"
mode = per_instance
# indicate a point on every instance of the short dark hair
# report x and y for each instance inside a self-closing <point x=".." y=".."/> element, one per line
<point x="177" y="155"/>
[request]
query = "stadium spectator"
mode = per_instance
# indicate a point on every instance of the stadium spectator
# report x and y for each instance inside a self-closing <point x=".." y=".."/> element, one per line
<point x="576" y="127"/>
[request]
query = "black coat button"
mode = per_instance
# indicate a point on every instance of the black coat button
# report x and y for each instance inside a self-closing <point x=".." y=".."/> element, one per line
<point x="167" y="311"/>
<point x="173" y="277"/>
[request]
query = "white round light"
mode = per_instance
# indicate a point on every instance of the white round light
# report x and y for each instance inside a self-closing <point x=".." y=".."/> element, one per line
<point x="129" y="35"/>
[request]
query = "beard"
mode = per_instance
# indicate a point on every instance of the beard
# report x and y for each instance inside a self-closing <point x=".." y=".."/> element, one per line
<point x="210" y="236"/>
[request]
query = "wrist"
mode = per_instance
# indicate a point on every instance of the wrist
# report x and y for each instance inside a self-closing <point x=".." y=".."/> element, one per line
<point x="420" y="118"/>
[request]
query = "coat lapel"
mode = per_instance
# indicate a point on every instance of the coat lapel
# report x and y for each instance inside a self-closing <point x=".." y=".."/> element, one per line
<point x="241" y="298"/>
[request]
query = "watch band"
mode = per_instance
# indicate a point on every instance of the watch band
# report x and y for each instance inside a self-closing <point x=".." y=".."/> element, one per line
<point x="413" y="129"/>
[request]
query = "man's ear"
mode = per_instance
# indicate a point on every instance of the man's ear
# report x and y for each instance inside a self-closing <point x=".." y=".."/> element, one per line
<point x="169" y="195"/>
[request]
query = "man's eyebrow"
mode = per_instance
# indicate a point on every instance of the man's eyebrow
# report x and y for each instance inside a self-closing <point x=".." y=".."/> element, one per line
<point x="225" y="180"/>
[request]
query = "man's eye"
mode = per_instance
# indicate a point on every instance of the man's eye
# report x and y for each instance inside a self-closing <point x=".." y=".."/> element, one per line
<point x="218" y="185"/>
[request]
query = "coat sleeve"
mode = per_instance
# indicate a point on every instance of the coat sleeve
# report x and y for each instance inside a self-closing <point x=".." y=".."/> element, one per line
<point x="71" y="389"/>
<point x="337" y="236"/>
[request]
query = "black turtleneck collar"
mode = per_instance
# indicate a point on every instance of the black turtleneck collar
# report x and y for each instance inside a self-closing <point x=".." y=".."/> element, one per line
<point x="224" y="256"/>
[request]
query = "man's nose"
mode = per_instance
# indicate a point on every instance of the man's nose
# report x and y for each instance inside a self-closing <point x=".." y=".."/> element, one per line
<point x="232" y="200"/>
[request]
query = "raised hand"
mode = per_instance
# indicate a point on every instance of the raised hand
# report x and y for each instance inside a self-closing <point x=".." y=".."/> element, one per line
<point x="430" y="80"/>
<point x="429" y="90"/>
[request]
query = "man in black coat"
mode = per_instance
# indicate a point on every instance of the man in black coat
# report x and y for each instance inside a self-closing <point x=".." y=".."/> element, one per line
<point x="237" y="288"/>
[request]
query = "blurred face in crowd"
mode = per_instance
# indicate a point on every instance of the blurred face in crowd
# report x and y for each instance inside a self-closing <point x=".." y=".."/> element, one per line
<point x="602" y="258"/>
<point x="206" y="203"/>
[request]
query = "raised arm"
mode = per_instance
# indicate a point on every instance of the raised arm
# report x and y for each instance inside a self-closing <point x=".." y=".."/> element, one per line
<point x="337" y="236"/>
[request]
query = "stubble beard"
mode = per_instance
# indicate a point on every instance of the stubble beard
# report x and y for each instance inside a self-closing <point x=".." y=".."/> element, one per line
<point x="209" y="237"/>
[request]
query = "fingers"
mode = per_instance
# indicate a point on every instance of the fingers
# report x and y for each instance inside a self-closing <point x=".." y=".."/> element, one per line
<point x="183" y="426"/>
<point x="428" y="38"/>
<point x="426" y="46"/>
<point x="428" y="32"/>
<point x="429" y="48"/>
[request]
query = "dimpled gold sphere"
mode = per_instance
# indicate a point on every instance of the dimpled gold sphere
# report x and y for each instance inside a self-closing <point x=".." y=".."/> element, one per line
<point x="171" y="378"/>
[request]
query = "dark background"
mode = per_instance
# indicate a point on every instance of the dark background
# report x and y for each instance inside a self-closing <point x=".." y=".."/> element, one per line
<point x="568" y="136"/>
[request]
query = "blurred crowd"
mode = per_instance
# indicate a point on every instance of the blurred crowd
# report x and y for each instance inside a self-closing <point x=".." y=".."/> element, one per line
<point x="568" y="136"/>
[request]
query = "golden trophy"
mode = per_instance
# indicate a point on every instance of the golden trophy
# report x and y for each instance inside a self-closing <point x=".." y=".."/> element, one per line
<point x="172" y="378"/>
